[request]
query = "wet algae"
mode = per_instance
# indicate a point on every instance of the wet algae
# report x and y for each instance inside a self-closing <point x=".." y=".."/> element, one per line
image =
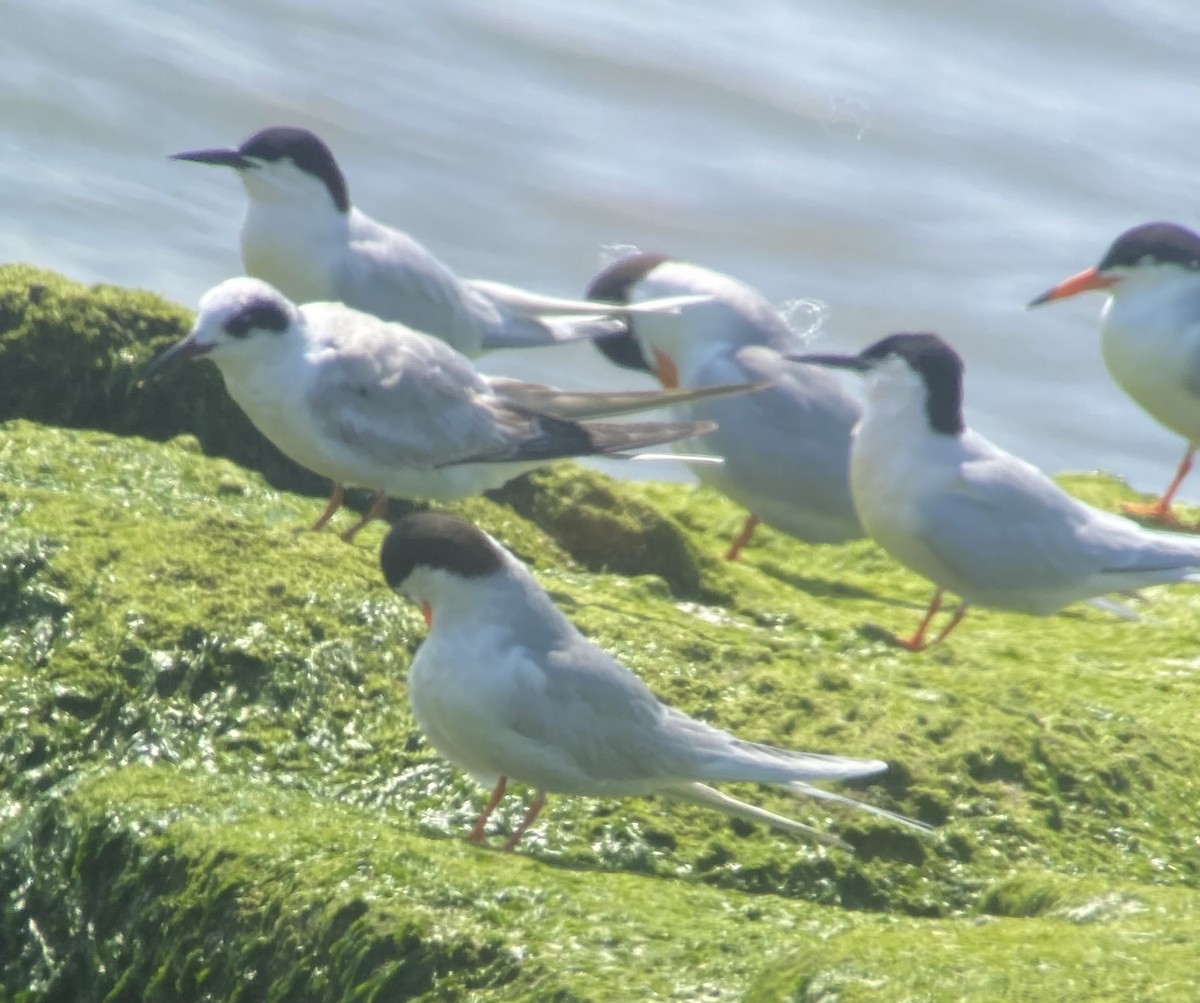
<point x="213" y="788"/>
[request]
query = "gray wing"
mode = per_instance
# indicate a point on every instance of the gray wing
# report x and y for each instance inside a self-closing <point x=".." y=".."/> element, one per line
<point x="396" y="278"/>
<point x="1005" y="519"/>
<point x="607" y="725"/>
<point x="606" y="722"/>
<point x="787" y="446"/>
<point x="1191" y="337"/>
<point x="402" y="398"/>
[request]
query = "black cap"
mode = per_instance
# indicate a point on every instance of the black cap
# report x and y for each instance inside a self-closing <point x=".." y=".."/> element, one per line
<point x="438" y="541"/>
<point x="938" y="365"/>
<point x="306" y="150"/>
<point x="1156" y="242"/>
<point x="613" y="285"/>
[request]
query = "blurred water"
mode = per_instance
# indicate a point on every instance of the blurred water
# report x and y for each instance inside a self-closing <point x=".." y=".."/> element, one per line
<point x="920" y="165"/>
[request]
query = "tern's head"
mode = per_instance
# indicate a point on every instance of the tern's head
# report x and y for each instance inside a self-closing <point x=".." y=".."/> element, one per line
<point x="676" y="345"/>
<point x="907" y="368"/>
<point x="241" y="319"/>
<point x="281" y="163"/>
<point x="615" y="284"/>
<point x="433" y="558"/>
<point x="1144" y="258"/>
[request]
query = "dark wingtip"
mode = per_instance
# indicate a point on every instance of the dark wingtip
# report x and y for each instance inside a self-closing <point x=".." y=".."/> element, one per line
<point x="438" y="541"/>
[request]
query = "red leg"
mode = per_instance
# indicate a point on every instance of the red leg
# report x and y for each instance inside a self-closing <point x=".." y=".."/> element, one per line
<point x="335" y="503"/>
<point x="535" y="809"/>
<point x="378" y="507"/>
<point x="954" y="622"/>
<point x="743" y="537"/>
<point x="1160" y="511"/>
<point x="476" y="833"/>
<point x="917" y="641"/>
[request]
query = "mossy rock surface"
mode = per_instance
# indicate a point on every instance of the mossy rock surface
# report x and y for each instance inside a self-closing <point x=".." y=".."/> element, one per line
<point x="213" y="788"/>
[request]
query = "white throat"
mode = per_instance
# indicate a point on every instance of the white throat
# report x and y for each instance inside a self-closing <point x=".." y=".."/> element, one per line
<point x="897" y="404"/>
<point x="293" y="236"/>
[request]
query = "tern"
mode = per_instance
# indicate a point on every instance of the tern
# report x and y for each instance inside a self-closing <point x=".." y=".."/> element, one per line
<point x="507" y="689"/>
<point x="1150" y="333"/>
<point x="377" y="405"/>
<point x="786" y="449"/>
<point x="302" y="235"/>
<point x="973" y="519"/>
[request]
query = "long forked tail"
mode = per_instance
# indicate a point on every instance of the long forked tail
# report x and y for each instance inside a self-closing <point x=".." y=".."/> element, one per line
<point x="702" y="794"/>
<point x="698" y="793"/>
<point x="524" y="301"/>
<point x="806" y="790"/>
<point x="576" y="405"/>
<point x="529" y="319"/>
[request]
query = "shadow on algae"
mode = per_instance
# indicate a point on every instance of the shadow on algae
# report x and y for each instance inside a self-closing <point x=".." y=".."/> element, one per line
<point x="214" y="789"/>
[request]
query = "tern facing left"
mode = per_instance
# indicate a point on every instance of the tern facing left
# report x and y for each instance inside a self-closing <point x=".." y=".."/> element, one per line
<point x="302" y="235"/>
<point x="377" y="405"/>
<point x="1150" y="333"/>
<point x="506" y="688"/>
<point x="973" y="519"/>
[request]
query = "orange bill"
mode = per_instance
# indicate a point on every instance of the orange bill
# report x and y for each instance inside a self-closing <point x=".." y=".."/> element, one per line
<point x="665" y="370"/>
<point x="1085" y="281"/>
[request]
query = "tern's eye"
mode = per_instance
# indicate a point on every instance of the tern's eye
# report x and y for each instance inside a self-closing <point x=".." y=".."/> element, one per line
<point x="257" y="317"/>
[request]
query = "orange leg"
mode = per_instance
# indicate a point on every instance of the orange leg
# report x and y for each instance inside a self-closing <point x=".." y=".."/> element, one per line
<point x="535" y="809"/>
<point x="1160" y="511"/>
<point x="954" y="622"/>
<point x="378" y="507"/>
<point x="335" y="503"/>
<point x="476" y="833"/>
<point x="743" y="537"/>
<point x="917" y="641"/>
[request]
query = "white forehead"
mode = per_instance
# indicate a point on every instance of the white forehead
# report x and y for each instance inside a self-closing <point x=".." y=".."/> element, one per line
<point x="234" y="295"/>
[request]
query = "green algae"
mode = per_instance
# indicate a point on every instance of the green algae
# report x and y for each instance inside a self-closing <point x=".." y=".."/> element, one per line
<point x="198" y="686"/>
<point x="1102" y="944"/>
<point x="73" y="355"/>
<point x="214" y="789"/>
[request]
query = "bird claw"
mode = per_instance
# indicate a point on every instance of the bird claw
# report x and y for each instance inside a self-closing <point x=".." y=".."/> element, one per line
<point x="1158" y="514"/>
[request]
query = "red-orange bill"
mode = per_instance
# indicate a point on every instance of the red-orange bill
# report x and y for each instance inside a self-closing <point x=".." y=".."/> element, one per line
<point x="664" y="369"/>
<point x="1085" y="281"/>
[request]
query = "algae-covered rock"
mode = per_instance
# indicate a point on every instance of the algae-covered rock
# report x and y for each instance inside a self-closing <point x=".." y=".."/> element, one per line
<point x="213" y="788"/>
<point x="606" y="529"/>
<point x="72" y="355"/>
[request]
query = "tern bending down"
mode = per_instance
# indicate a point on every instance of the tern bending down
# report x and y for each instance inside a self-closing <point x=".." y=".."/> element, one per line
<point x="786" y="449"/>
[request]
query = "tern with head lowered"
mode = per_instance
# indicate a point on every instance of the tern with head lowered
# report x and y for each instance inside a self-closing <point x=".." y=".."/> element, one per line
<point x="302" y="235"/>
<point x="973" y="519"/>
<point x="507" y="689"/>
<point x="786" y="449"/>
<point x="1150" y="332"/>
<point x="377" y="405"/>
